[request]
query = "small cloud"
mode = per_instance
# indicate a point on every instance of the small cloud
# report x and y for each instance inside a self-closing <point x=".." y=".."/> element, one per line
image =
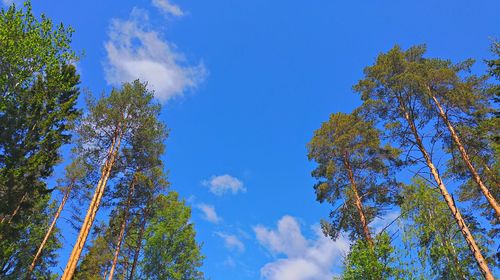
<point x="209" y="213"/>
<point x="232" y="242"/>
<point x="10" y="2"/>
<point x="224" y="183"/>
<point x="135" y="51"/>
<point x="302" y="258"/>
<point x="229" y="262"/>
<point x="387" y="221"/>
<point x="168" y="8"/>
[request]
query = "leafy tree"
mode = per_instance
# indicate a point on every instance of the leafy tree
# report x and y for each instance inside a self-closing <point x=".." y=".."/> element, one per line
<point x="371" y="262"/>
<point x="393" y="94"/>
<point x="429" y="225"/>
<point x="171" y="251"/>
<point x="353" y="168"/>
<point x="110" y="126"/>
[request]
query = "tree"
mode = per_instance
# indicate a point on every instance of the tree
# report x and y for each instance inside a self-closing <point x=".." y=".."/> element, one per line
<point x="354" y="168"/>
<point x="16" y="255"/>
<point x="392" y="94"/>
<point x="75" y="173"/>
<point x="141" y="159"/>
<point x="38" y="93"/>
<point x="371" y="262"/>
<point x="171" y="251"/>
<point x="428" y="223"/>
<point x="453" y="98"/>
<point x="110" y="125"/>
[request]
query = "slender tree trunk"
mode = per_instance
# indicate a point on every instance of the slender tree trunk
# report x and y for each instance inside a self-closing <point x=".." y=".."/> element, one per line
<point x="122" y="228"/>
<point x="138" y="246"/>
<point x="11" y="216"/>
<point x="51" y="228"/>
<point x="357" y="201"/>
<point x="481" y="262"/>
<point x="475" y="175"/>
<point x="93" y="207"/>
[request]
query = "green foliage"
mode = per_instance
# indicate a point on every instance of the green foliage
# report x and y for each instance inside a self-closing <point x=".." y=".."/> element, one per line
<point x="345" y="139"/>
<point x="96" y="263"/>
<point x="430" y="227"/>
<point x="171" y="251"/>
<point x="38" y="92"/>
<point x="16" y="256"/>
<point x="405" y="82"/>
<point x="37" y="102"/>
<point x="364" y="262"/>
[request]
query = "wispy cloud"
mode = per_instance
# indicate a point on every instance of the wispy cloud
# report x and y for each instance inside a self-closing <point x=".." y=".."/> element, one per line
<point x="302" y="258"/>
<point x="387" y="221"/>
<point x="136" y="51"/>
<point x="10" y="2"/>
<point x="168" y="8"/>
<point x="232" y="242"/>
<point x="219" y="185"/>
<point x="209" y="213"/>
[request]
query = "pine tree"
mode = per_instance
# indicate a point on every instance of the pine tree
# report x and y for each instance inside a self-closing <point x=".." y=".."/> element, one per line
<point x="392" y="94"/>
<point x="111" y="124"/>
<point x="74" y="180"/>
<point x="354" y="168"/>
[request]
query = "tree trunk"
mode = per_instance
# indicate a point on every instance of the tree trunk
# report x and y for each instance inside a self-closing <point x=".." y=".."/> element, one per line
<point x="481" y="262"/>
<point x="51" y="228"/>
<point x="11" y="216"/>
<point x="122" y="228"/>
<point x="475" y="175"/>
<point x="93" y="207"/>
<point x="138" y="246"/>
<point x="357" y="201"/>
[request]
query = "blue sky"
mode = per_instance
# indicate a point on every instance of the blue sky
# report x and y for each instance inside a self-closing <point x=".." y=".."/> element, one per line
<point x="244" y="84"/>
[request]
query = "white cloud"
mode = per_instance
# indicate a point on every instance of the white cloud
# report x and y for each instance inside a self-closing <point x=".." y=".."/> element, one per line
<point x="232" y="242"/>
<point x="135" y="51"/>
<point x="304" y="259"/>
<point x="10" y="2"/>
<point x="224" y="183"/>
<point x="168" y="8"/>
<point x="209" y="213"/>
<point x="388" y="220"/>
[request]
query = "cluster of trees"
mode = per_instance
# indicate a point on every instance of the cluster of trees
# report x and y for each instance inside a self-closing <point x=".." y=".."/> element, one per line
<point x="417" y="112"/>
<point x="434" y="120"/>
<point x="117" y="142"/>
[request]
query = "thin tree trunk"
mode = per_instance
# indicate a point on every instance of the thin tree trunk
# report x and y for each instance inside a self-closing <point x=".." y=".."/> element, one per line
<point x="357" y="201"/>
<point x="93" y="207"/>
<point x="481" y="262"/>
<point x="475" y="175"/>
<point x="11" y="216"/>
<point x="138" y="246"/>
<point x="51" y="228"/>
<point x="122" y="228"/>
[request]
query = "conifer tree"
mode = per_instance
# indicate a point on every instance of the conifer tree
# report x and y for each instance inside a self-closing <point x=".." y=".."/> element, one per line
<point x="38" y="92"/>
<point x="393" y="94"/>
<point x="110" y="125"/>
<point x="353" y="168"/>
